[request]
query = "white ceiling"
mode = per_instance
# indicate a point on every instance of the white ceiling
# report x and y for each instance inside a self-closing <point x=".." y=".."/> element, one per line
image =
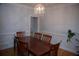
<point x="45" y="4"/>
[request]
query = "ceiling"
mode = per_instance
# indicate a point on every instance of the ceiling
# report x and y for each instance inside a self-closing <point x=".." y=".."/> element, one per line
<point x="45" y="4"/>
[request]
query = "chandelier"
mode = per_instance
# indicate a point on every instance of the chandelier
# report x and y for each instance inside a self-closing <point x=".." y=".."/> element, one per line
<point x="39" y="9"/>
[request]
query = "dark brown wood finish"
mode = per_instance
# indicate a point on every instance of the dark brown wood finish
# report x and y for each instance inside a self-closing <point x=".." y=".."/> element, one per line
<point x="46" y="38"/>
<point x="54" y="49"/>
<point x="38" y="47"/>
<point x="37" y="35"/>
<point x="35" y="46"/>
<point x="11" y="52"/>
<point x="22" y="48"/>
<point x="20" y="34"/>
<point x="17" y="37"/>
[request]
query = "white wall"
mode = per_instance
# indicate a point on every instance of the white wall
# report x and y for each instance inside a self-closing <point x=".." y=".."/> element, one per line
<point x="13" y="18"/>
<point x="57" y="20"/>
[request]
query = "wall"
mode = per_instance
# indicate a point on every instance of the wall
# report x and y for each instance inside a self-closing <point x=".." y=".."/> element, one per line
<point x="13" y="18"/>
<point x="57" y="20"/>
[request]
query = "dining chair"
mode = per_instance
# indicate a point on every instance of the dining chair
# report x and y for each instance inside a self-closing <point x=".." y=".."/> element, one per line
<point x="54" y="49"/>
<point x="18" y="34"/>
<point x="22" y="48"/>
<point x="38" y="35"/>
<point x="46" y="38"/>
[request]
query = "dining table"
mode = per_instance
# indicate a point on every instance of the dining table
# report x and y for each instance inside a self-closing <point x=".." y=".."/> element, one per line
<point x="36" y="46"/>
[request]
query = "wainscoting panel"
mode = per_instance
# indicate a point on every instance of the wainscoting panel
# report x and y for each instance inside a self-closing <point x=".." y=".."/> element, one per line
<point x="6" y="40"/>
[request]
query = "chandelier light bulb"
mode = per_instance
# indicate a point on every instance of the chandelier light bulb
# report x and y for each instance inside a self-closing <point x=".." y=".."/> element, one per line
<point x="39" y="9"/>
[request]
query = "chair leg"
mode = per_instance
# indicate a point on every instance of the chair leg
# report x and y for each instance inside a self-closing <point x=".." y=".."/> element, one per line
<point x="28" y="53"/>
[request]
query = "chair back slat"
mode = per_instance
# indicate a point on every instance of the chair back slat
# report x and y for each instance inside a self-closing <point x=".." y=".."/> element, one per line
<point x="46" y="38"/>
<point x="37" y="35"/>
<point x="20" y="34"/>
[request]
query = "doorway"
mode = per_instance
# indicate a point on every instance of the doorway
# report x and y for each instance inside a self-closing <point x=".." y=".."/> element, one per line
<point x="34" y="25"/>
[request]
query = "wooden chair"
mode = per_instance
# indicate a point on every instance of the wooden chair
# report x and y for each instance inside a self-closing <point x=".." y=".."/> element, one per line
<point x="22" y="48"/>
<point x="18" y="34"/>
<point x="37" y="35"/>
<point x="46" y="38"/>
<point x="54" y="49"/>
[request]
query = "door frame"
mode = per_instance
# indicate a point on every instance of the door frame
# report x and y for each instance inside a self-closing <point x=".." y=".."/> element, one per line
<point x="38" y="22"/>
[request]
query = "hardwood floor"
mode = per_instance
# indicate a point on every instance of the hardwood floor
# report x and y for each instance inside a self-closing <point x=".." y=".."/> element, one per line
<point x="62" y="52"/>
<point x="8" y="52"/>
<point x="11" y="52"/>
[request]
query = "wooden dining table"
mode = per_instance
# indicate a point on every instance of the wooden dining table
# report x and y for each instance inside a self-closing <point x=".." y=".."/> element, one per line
<point x="35" y="46"/>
